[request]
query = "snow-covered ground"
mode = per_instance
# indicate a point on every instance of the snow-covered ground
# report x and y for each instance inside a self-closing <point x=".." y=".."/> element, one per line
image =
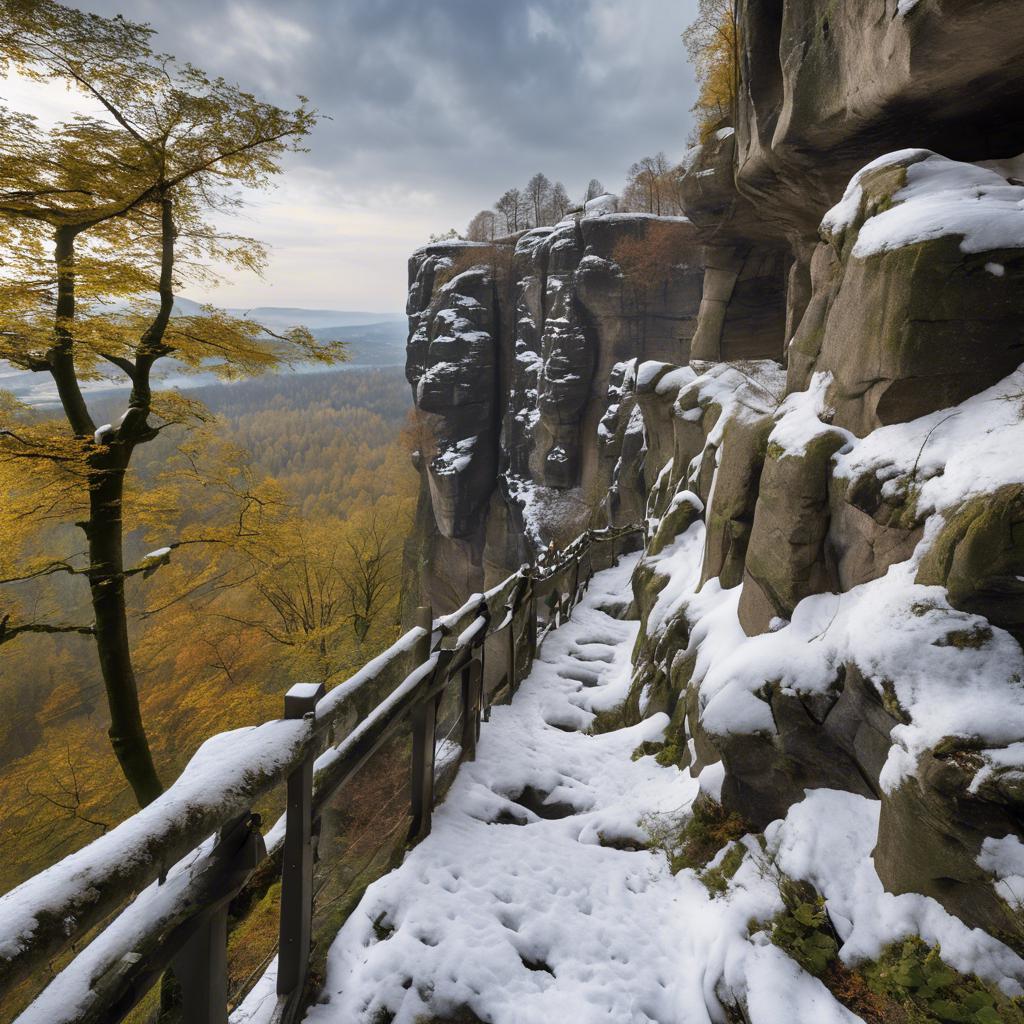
<point x="534" y="901"/>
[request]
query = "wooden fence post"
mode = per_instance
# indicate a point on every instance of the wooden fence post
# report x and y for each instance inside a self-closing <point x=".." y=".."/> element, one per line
<point x="512" y="682"/>
<point x="532" y="625"/>
<point x="472" y="698"/>
<point x="202" y="971"/>
<point x="297" y="855"/>
<point x="201" y="964"/>
<point x="424" y="723"/>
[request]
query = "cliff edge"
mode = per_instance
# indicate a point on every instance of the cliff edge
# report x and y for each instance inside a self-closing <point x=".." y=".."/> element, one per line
<point x="814" y="380"/>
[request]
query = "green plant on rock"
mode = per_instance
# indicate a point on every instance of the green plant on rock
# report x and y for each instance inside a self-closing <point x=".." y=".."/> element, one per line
<point x="691" y="841"/>
<point x="669" y="754"/>
<point x="709" y="829"/>
<point x="891" y="702"/>
<point x="716" y="880"/>
<point x="646" y="749"/>
<point x="974" y="638"/>
<point x="908" y="984"/>
<point x="803" y="929"/>
<point x="611" y="720"/>
<point x="382" y="929"/>
<point x="913" y="975"/>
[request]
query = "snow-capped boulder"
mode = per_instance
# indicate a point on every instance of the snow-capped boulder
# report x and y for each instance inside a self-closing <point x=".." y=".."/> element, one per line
<point x="828" y="87"/>
<point x="917" y="295"/>
<point x="979" y="558"/>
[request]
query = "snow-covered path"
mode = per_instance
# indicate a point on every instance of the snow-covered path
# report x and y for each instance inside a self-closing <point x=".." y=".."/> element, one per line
<point x="533" y="901"/>
<point x="519" y="904"/>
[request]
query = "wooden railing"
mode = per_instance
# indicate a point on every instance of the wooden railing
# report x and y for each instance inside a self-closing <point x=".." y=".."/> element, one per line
<point x="179" y="862"/>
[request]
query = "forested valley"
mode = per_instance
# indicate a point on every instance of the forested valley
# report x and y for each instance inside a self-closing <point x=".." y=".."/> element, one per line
<point x="219" y="630"/>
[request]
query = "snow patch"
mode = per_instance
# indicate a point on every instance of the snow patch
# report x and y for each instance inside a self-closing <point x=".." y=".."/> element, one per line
<point x="527" y="914"/>
<point x="601" y="206"/>
<point x="953" y="454"/>
<point x="941" y="197"/>
<point x="455" y="458"/>
<point x="799" y="418"/>
<point x="1004" y="858"/>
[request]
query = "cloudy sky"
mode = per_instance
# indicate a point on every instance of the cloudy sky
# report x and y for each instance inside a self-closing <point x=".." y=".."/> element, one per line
<point x="435" y="107"/>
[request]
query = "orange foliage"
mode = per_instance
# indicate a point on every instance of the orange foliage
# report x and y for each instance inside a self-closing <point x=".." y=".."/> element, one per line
<point x="330" y="442"/>
<point x="712" y="42"/>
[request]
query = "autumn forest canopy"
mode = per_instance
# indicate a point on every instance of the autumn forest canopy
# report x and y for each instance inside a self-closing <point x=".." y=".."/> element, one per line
<point x="170" y="562"/>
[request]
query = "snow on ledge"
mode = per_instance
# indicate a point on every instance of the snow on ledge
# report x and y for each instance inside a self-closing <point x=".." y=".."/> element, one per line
<point x="941" y="197"/>
<point x="215" y="783"/>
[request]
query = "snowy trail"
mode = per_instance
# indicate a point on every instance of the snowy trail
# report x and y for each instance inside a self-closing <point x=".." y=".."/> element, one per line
<point x="512" y="906"/>
<point x="533" y="900"/>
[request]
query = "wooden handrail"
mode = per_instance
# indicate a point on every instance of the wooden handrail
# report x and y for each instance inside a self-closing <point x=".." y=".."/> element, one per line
<point x="179" y="880"/>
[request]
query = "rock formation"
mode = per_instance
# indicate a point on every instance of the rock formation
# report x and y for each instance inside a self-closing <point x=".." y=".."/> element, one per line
<point x="521" y="357"/>
<point x="816" y="378"/>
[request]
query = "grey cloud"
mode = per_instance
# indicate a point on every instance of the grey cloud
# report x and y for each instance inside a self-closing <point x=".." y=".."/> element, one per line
<point x="461" y="97"/>
<point x="436" y="107"/>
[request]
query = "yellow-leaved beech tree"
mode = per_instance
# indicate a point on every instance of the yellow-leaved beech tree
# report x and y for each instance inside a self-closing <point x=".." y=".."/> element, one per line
<point x="326" y="592"/>
<point x="104" y="217"/>
<point x="209" y="648"/>
<point x="712" y="43"/>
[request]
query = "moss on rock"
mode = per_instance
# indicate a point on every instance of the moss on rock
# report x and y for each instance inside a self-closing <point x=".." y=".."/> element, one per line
<point x="979" y="558"/>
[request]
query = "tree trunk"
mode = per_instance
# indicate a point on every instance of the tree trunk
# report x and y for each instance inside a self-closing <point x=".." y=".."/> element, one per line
<point x="106" y="583"/>
<point x="62" y="365"/>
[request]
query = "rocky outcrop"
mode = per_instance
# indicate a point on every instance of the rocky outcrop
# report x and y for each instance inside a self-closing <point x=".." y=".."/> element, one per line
<point x="979" y="558"/>
<point x="915" y="306"/>
<point x="902" y="324"/>
<point x="886" y="667"/>
<point x="826" y="88"/>
<point x="743" y="306"/>
<point x="452" y="366"/>
<point x="522" y="357"/>
<point x="811" y="388"/>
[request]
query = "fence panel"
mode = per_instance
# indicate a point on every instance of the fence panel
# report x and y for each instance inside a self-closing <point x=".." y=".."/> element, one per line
<point x="423" y="696"/>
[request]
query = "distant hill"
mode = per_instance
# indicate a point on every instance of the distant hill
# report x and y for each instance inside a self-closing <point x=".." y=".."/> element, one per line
<point x="282" y="317"/>
<point x="381" y="344"/>
<point x="374" y="340"/>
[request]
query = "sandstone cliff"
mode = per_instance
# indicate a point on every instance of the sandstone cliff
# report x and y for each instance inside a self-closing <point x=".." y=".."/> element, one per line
<point x="820" y="387"/>
<point x="521" y="359"/>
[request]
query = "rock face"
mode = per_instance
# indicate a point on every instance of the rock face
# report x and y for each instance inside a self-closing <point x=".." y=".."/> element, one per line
<point x="743" y="307"/>
<point x="522" y="360"/>
<point x="453" y="367"/>
<point x="825" y="88"/>
<point x="915" y="306"/>
<point x="811" y="388"/>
